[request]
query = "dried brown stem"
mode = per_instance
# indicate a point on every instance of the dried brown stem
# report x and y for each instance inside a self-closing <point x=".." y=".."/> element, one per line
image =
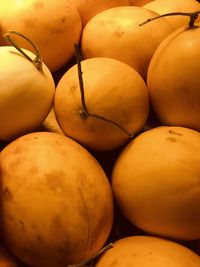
<point x="90" y="260"/>
<point x="84" y="113"/>
<point x="192" y="16"/>
<point x="38" y="59"/>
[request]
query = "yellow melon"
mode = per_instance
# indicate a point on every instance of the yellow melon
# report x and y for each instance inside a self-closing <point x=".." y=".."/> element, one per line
<point x="56" y="201"/>
<point x="112" y="90"/>
<point x="54" y="26"/>
<point x="156" y="182"/>
<point x="146" y="251"/>
<point x="116" y="33"/>
<point x="173" y="79"/>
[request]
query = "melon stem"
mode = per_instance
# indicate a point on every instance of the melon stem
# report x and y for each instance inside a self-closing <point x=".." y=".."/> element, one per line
<point x="84" y="113"/>
<point x="90" y="260"/>
<point x="37" y="62"/>
<point x="192" y="17"/>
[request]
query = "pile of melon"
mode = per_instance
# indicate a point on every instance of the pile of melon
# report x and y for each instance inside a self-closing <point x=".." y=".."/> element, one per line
<point x="100" y="133"/>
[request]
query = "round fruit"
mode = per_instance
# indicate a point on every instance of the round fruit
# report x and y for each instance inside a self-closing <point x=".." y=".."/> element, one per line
<point x="113" y="90"/>
<point x="120" y="36"/>
<point x="56" y="200"/>
<point x="173" y="79"/>
<point x="26" y="93"/>
<point x="54" y="26"/>
<point x="156" y="182"/>
<point x="145" y="251"/>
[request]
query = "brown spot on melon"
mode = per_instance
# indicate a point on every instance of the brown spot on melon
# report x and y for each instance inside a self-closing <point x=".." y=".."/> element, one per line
<point x="34" y="170"/>
<point x="7" y="195"/>
<point x="171" y="139"/>
<point x="55" y="180"/>
<point x="17" y="150"/>
<point x="63" y="20"/>
<point x="39" y="238"/>
<point x="56" y="226"/>
<point x="118" y="34"/>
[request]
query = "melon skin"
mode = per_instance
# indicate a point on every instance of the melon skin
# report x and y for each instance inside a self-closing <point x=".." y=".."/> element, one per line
<point x="89" y="8"/>
<point x="139" y="2"/>
<point x="147" y="251"/>
<point x="112" y="90"/>
<point x="155" y="182"/>
<point x="173" y="79"/>
<point x="26" y="93"/>
<point x="121" y="37"/>
<point x="54" y="26"/>
<point x="57" y="206"/>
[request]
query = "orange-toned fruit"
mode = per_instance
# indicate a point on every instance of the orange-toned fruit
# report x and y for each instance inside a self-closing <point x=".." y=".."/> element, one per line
<point x="120" y="36"/>
<point x="113" y="90"/>
<point x="173" y="79"/>
<point x="156" y="182"/>
<point x="54" y="26"/>
<point x="168" y="6"/>
<point x="56" y="200"/>
<point x="50" y="124"/>
<point x="146" y="251"/>
<point x="89" y="8"/>
<point x="26" y="93"/>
